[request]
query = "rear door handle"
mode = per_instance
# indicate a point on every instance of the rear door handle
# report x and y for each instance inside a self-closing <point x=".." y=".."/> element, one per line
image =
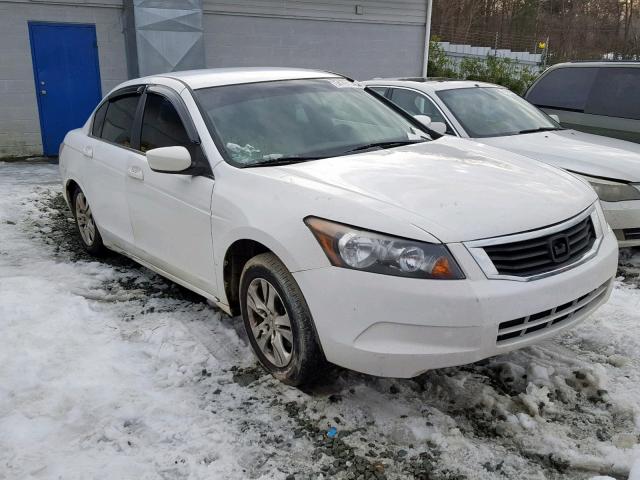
<point x="135" y="172"/>
<point x="88" y="151"/>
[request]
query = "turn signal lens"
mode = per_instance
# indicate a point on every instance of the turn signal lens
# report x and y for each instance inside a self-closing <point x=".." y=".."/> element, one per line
<point x="357" y="249"/>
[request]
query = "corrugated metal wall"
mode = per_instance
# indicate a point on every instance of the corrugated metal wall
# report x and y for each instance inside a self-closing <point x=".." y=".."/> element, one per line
<point x="406" y="12"/>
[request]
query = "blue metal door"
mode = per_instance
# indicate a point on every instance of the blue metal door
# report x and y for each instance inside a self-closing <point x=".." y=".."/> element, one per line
<point x="67" y="77"/>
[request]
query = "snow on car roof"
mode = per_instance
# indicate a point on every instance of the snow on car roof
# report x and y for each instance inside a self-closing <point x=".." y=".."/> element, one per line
<point x="214" y="77"/>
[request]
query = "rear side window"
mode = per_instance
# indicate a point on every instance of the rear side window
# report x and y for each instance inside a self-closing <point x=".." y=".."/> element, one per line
<point x="161" y="125"/>
<point x="118" y="121"/>
<point x="564" y="88"/>
<point x="615" y="93"/>
<point x="98" y="120"/>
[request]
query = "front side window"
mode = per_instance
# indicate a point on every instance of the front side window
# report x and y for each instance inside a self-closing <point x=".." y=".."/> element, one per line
<point x="416" y="103"/>
<point x="161" y="125"/>
<point x="615" y="93"/>
<point x="565" y="88"/>
<point x="316" y="118"/>
<point x="494" y="112"/>
<point x="118" y="121"/>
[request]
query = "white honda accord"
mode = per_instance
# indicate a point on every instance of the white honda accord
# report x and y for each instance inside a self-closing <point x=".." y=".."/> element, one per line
<point x="333" y="223"/>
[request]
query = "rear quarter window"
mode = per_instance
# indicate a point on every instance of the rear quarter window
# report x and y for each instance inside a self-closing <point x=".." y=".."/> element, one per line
<point x="564" y="88"/>
<point x="616" y="93"/>
<point x="98" y="120"/>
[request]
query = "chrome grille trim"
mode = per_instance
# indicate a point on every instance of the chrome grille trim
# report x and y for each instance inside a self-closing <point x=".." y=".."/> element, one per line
<point x="476" y="247"/>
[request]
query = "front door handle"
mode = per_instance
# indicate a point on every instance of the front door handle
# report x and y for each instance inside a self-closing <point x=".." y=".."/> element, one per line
<point x="88" y="151"/>
<point x="135" y="172"/>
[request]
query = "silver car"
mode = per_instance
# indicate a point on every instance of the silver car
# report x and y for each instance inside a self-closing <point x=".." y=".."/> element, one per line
<point x="495" y="116"/>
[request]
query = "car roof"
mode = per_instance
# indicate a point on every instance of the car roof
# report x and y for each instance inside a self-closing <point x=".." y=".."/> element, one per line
<point x="599" y="64"/>
<point x="214" y="77"/>
<point x="429" y="83"/>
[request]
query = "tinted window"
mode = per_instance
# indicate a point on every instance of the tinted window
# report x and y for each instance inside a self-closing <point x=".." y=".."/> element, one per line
<point x="416" y="103"/>
<point x="161" y="125"/>
<point x="566" y="88"/>
<point x="98" y="120"/>
<point x="119" y="120"/>
<point x="616" y="93"/>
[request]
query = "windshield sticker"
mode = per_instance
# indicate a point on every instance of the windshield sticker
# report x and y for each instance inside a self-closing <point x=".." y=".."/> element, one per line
<point x="344" y="83"/>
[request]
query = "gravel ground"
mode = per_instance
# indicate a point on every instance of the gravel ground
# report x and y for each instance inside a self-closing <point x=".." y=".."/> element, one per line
<point x="110" y="371"/>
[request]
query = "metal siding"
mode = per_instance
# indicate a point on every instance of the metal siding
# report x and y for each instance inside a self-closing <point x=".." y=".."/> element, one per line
<point x="359" y="50"/>
<point x="409" y="12"/>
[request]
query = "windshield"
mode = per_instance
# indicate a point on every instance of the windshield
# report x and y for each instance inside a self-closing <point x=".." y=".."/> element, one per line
<point x="494" y="112"/>
<point x="261" y="123"/>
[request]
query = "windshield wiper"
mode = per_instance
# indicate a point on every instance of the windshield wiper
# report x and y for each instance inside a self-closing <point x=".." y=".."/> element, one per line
<point x="540" y="129"/>
<point x="397" y="143"/>
<point x="272" y="162"/>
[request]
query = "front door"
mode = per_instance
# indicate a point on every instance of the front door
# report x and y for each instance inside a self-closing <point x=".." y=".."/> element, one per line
<point x="170" y="213"/>
<point x="67" y="78"/>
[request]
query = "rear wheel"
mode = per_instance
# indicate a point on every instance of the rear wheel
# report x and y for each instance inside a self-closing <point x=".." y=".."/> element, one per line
<point x="278" y="321"/>
<point x="86" y="225"/>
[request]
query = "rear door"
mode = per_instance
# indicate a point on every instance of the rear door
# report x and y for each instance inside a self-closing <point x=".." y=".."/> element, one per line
<point x="108" y="151"/>
<point x="171" y="213"/>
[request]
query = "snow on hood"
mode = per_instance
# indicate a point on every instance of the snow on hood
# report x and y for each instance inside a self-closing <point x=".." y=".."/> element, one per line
<point x="577" y="151"/>
<point x="455" y="189"/>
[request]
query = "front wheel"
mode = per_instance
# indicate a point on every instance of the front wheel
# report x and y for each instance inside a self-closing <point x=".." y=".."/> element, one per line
<point x="86" y="224"/>
<point x="278" y="321"/>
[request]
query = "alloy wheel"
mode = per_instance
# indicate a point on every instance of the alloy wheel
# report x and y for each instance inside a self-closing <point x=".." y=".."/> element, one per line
<point x="269" y="321"/>
<point x="86" y="224"/>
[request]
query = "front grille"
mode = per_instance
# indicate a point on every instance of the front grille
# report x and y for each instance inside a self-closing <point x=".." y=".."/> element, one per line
<point x="543" y="254"/>
<point x="554" y="317"/>
<point x="632" y="234"/>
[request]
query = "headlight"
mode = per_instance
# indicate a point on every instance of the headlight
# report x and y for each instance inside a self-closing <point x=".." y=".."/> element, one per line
<point x="350" y="247"/>
<point x="610" y="191"/>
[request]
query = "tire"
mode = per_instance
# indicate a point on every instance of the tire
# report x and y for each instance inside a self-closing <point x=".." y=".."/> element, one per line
<point x="86" y="225"/>
<point x="265" y="323"/>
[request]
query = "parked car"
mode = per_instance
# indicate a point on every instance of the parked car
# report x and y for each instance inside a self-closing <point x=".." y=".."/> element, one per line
<point x="332" y="223"/>
<point x="593" y="97"/>
<point x="493" y="115"/>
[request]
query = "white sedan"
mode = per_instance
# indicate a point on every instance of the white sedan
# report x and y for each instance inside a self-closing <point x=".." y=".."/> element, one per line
<point x="494" y="116"/>
<point x="332" y="223"/>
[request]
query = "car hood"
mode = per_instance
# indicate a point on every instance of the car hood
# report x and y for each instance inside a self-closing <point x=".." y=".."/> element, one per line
<point x="454" y="189"/>
<point x="576" y="151"/>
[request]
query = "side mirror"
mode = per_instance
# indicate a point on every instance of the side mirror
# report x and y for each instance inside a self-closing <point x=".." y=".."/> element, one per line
<point x="439" y="127"/>
<point x="555" y="117"/>
<point x="169" y="159"/>
<point x="424" y="120"/>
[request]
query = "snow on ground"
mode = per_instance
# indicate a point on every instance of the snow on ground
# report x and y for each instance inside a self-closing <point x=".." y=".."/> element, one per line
<point x="109" y="371"/>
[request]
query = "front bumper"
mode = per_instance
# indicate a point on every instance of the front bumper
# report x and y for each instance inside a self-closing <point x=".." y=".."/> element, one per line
<point x="624" y="219"/>
<point x="400" y="327"/>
